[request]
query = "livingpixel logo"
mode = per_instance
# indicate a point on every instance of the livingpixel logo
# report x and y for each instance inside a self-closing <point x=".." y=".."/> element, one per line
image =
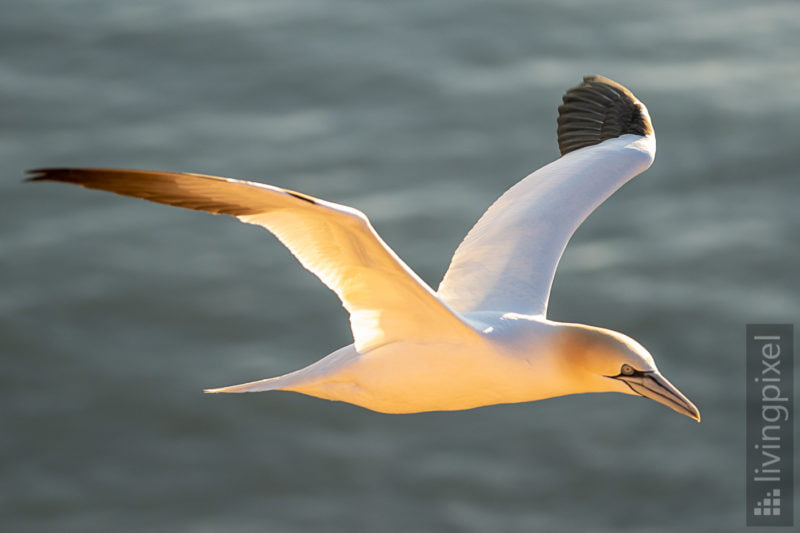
<point x="770" y="424"/>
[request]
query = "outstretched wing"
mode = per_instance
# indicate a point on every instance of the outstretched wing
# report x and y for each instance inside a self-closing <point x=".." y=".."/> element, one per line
<point x="507" y="261"/>
<point x="387" y="301"/>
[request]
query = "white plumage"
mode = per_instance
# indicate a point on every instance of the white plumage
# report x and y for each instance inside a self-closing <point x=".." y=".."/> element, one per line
<point x="483" y="338"/>
<point x="508" y="260"/>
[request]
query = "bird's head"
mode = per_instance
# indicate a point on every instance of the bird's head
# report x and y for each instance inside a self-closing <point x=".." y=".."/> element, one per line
<point x="602" y="360"/>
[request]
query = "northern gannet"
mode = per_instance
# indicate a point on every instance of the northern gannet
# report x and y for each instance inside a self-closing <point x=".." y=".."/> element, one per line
<point x="483" y="338"/>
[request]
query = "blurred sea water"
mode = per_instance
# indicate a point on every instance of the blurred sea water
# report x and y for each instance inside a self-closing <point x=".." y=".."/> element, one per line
<point x="114" y="313"/>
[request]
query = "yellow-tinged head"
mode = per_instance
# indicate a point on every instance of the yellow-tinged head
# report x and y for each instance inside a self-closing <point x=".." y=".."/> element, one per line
<point x="601" y="360"/>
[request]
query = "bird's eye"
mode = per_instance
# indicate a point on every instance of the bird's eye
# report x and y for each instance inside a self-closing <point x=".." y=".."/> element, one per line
<point x="627" y="370"/>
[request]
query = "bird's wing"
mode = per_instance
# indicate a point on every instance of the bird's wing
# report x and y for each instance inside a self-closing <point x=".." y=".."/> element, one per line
<point x="387" y="301"/>
<point x="508" y="260"/>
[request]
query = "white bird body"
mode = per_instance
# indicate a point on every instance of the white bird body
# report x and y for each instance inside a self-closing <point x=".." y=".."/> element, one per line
<point x="483" y="338"/>
<point x="505" y="365"/>
<point x="516" y="358"/>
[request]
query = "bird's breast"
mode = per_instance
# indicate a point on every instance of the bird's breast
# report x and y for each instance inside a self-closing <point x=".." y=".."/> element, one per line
<point x="416" y="377"/>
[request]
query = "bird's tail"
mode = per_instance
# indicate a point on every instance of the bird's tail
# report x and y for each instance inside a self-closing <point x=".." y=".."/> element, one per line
<point x="313" y="373"/>
<point x="253" y="386"/>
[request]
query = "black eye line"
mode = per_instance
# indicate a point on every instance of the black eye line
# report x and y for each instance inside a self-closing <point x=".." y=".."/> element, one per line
<point x="636" y="374"/>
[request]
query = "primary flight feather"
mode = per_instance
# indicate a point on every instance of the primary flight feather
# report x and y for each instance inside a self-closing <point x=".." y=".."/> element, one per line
<point x="483" y="338"/>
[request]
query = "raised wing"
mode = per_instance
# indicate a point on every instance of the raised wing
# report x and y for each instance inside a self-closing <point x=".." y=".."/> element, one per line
<point x="507" y="261"/>
<point x="386" y="300"/>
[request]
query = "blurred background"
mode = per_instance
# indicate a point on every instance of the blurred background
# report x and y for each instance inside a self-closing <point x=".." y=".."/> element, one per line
<point x="115" y="313"/>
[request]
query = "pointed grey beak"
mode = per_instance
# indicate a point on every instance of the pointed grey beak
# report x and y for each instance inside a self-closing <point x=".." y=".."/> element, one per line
<point x="656" y="387"/>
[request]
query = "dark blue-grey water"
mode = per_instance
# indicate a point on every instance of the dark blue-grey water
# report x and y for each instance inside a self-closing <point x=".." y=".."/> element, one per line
<point x="115" y="313"/>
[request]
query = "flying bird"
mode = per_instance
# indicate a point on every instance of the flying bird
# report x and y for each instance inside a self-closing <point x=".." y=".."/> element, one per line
<point x="483" y="337"/>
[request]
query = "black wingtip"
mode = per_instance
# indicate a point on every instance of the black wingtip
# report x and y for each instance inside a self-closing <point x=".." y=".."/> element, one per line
<point x="36" y="174"/>
<point x="596" y="110"/>
<point x="47" y="174"/>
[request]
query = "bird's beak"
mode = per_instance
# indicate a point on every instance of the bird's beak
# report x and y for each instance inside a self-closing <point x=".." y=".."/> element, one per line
<point x="656" y="387"/>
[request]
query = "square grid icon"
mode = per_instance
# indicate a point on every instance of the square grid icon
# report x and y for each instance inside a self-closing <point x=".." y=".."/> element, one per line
<point x="770" y="505"/>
